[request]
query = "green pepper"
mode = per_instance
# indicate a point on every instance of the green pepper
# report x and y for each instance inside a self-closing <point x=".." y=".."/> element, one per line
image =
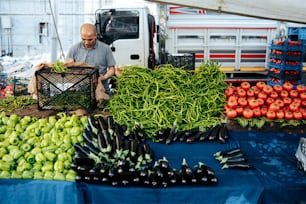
<point x="16" y="153"/>
<point x="47" y="166"/>
<point x="70" y="176"/>
<point x="27" y="174"/>
<point x="59" y="166"/>
<point x="36" y="150"/>
<point x="48" y="175"/>
<point x="16" y="175"/>
<point x="5" y="174"/>
<point x="5" y="166"/>
<point x="37" y="166"/>
<point x="39" y="157"/>
<point x="24" y="166"/>
<point x="8" y="158"/>
<point x="38" y="175"/>
<point x="50" y="156"/>
<point x="59" y="176"/>
<point x="30" y="157"/>
<point x="26" y="147"/>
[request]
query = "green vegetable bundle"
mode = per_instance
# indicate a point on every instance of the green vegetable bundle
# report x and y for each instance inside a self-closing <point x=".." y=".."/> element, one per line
<point x="158" y="98"/>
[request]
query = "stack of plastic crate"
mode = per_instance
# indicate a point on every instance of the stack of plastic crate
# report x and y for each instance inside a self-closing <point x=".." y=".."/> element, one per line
<point x="286" y="62"/>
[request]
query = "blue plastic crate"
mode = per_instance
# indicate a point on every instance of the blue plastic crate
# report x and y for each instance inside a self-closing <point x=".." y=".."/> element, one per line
<point x="302" y="34"/>
<point x="293" y="31"/>
<point x="283" y="66"/>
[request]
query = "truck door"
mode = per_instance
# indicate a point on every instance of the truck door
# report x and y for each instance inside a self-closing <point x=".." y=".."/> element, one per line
<point x="122" y="30"/>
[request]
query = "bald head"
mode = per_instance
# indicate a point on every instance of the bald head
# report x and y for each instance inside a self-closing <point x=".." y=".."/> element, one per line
<point x="88" y="35"/>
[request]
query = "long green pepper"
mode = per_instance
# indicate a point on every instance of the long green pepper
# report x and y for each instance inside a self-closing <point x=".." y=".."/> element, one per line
<point x="156" y="98"/>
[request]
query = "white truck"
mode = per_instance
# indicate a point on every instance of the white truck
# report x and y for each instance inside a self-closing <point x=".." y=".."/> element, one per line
<point x="139" y="36"/>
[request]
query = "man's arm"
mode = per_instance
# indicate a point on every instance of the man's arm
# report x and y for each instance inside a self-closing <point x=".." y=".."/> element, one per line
<point x="110" y="72"/>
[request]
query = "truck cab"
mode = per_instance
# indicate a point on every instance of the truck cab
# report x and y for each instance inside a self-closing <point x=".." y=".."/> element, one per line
<point x="130" y="32"/>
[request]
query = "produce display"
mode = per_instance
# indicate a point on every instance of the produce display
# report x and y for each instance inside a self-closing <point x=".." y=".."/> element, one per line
<point x="39" y="148"/>
<point x="169" y="97"/>
<point x="112" y="155"/>
<point x="260" y="103"/>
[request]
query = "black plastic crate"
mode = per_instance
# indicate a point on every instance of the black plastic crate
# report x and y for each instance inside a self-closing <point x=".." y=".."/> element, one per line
<point x="185" y="61"/>
<point x="70" y="90"/>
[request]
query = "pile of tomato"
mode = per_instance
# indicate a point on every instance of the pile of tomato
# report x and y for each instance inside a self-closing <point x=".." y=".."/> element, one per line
<point x="263" y="100"/>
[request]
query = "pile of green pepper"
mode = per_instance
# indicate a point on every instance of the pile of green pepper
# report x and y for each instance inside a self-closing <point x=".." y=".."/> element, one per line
<point x="39" y="148"/>
<point x="158" y="98"/>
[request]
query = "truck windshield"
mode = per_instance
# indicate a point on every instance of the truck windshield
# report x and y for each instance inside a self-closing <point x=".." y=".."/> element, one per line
<point x="113" y="25"/>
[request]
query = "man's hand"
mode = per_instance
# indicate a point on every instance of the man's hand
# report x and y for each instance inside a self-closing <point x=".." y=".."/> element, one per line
<point x="101" y="78"/>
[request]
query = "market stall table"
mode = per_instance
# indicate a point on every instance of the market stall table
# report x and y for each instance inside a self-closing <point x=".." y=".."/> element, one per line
<point x="274" y="177"/>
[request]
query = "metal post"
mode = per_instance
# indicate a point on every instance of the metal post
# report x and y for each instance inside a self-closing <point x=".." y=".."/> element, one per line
<point x="54" y="37"/>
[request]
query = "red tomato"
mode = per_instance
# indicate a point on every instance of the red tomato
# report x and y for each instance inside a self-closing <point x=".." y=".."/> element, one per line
<point x="239" y="110"/>
<point x="232" y="103"/>
<point x="274" y="95"/>
<point x="304" y="114"/>
<point x="284" y="94"/>
<point x="288" y="115"/>
<point x="300" y="88"/>
<point x="241" y="92"/>
<point x="293" y="107"/>
<point x="247" y="113"/>
<point x="303" y="104"/>
<point x="260" y="102"/>
<point x="269" y="101"/>
<point x="262" y="95"/>
<point x="242" y="102"/>
<point x="257" y="112"/>
<point x="287" y="101"/>
<point x="231" y="113"/>
<point x="280" y="103"/>
<point x="267" y="89"/>
<point x="274" y="107"/>
<point x="280" y="114"/>
<point x="303" y="96"/>
<point x="278" y="88"/>
<point x="270" y="114"/>
<point x="297" y="115"/>
<point x="229" y="91"/>
<point x="255" y="89"/>
<point x="298" y="101"/>
<point x="226" y="108"/>
<point x="260" y="85"/>
<point x="245" y="85"/>
<point x="250" y="93"/>
<point x="287" y="86"/>
<point x="293" y="93"/>
<point x="264" y="110"/>
<point x="253" y="104"/>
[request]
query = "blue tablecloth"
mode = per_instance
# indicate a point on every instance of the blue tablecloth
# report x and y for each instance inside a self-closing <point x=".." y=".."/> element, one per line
<point x="273" y="179"/>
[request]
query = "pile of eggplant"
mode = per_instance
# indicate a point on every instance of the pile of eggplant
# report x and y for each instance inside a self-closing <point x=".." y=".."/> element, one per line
<point x="233" y="158"/>
<point x="217" y="132"/>
<point x="163" y="175"/>
<point x="110" y="151"/>
<point x="114" y="156"/>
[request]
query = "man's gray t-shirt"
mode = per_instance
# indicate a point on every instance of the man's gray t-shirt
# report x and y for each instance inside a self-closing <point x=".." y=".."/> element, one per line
<point x="100" y="56"/>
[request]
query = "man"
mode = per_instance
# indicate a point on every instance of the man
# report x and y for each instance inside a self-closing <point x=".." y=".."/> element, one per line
<point x="94" y="53"/>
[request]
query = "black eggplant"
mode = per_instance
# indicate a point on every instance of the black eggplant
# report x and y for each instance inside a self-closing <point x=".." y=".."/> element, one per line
<point x="205" y="134"/>
<point x="162" y="134"/>
<point x="223" y="134"/>
<point x="207" y="170"/>
<point x="237" y="165"/>
<point x="229" y="160"/>
<point x="229" y="152"/>
<point x="194" y="137"/>
<point x="213" y="136"/>
<point x="172" y="134"/>
<point x="186" y="172"/>
<point x="139" y="133"/>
